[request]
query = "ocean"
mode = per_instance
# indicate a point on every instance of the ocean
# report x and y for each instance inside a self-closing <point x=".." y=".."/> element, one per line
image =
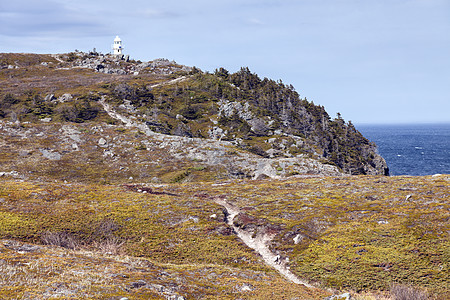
<point x="419" y="149"/>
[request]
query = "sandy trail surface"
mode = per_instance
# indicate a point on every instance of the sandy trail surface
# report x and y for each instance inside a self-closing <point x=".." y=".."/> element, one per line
<point x="260" y="243"/>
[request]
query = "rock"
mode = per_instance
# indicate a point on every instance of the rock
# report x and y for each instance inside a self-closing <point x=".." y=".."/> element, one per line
<point x="138" y="284"/>
<point x="65" y="98"/>
<point x="102" y="142"/>
<point x="175" y="297"/>
<point x="259" y="127"/>
<point x="216" y="133"/>
<point x="45" y="120"/>
<point x="11" y="173"/>
<point x="19" y="247"/>
<point x="297" y="239"/>
<point x="378" y="166"/>
<point x="345" y="296"/>
<point x="49" y="97"/>
<point x="272" y="152"/>
<point x="28" y="248"/>
<point x="155" y="180"/>
<point x="228" y="108"/>
<point x="49" y="154"/>
<point x="277" y="259"/>
<point x="265" y="169"/>
<point x="194" y="219"/>
<point x="24" y="153"/>
<point x="247" y="288"/>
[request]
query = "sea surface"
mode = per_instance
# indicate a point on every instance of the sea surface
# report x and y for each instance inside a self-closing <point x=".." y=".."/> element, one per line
<point x="418" y="149"/>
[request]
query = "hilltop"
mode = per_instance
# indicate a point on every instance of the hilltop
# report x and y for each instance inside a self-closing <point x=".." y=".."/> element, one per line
<point x="259" y="121"/>
<point x="153" y="180"/>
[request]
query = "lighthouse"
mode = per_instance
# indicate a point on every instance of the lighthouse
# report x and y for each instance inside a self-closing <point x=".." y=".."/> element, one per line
<point x="117" y="46"/>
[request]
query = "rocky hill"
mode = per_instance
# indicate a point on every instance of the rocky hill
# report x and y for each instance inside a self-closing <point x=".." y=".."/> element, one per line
<point x="236" y="124"/>
<point x="122" y="179"/>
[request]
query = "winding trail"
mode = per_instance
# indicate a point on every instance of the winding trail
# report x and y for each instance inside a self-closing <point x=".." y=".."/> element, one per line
<point x="127" y="121"/>
<point x="113" y="114"/>
<point x="260" y="244"/>
<point x="179" y="79"/>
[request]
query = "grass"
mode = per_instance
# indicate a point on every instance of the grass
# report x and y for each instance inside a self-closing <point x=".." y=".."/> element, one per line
<point x="352" y="236"/>
<point x="171" y="233"/>
<point x="53" y="272"/>
<point x="355" y="232"/>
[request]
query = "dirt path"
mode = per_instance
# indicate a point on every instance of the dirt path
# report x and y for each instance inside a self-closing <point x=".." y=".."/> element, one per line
<point x="113" y="114"/>
<point x="260" y="244"/>
<point x="179" y="79"/>
<point x="127" y="121"/>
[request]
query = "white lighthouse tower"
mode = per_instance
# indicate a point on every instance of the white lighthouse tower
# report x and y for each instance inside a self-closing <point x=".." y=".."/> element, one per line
<point x="117" y="46"/>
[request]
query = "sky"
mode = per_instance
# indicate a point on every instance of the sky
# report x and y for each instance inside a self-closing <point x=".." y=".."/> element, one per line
<point x="374" y="62"/>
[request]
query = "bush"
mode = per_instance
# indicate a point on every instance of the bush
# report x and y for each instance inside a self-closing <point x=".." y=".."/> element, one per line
<point x="78" y="112"/>
<point x="405" y="292"/>
<point x="7" y="101"/>
<point x="190" y="112"/>
<point x="61" y="239"/>
<point x="258" y="150"/>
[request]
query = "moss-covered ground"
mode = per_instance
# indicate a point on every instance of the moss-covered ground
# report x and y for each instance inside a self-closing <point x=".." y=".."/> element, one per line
<point x="360" y="233"/>
<point x="117" y="237"/>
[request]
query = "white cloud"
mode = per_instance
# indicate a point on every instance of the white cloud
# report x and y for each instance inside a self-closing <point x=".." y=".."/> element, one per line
<point x="154" y="13"/>
<point x="255" y="21"/>
<point x="46" y="18"/>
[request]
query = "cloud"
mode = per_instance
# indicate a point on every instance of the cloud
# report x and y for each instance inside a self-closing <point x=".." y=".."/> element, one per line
<point x="21" y="18"/>
<point x="158" y="14"/>
<point x="255" y="21"/>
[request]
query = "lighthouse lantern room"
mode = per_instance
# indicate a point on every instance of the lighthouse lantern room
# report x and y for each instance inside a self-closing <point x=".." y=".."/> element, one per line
<point x="117" y="46"/>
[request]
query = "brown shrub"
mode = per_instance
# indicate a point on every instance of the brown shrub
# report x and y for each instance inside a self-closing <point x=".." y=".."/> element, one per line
<point x="405" y="292"/>
<point x="61" y="238"/>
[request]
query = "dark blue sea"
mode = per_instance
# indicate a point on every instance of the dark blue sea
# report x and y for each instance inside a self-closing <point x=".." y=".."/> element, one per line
<point x="420" y="149"/>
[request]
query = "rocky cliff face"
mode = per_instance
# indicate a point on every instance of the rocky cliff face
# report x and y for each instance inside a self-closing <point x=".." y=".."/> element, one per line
<point x="234" y="125"/>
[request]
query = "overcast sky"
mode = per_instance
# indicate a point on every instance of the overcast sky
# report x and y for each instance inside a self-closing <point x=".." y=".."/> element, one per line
<point x="380" y="61"/>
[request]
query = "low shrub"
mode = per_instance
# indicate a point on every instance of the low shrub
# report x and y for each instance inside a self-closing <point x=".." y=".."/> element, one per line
<point x="61" y="239"/>
<point x="405" y="292"/>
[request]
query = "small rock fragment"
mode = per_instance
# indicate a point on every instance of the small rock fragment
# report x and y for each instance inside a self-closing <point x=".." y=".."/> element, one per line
<point x="102" y="142"/>
<point x="138" y="284"/>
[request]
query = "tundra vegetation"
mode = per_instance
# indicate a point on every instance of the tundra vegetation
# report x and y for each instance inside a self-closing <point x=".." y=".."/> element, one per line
<point x="111" y="172"/>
